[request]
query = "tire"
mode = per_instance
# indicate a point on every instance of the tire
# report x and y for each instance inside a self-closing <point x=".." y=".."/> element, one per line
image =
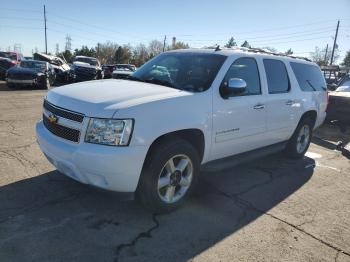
<point x="46" y="84"/>
<point x="299" y="143"/>
<point x="160" y="190"/>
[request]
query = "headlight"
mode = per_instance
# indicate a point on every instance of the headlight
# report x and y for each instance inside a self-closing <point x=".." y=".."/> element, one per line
<point x="112" y="132"/>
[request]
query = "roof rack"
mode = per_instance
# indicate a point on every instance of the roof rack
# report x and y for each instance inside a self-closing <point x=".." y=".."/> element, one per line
<point x="259" y="50"/>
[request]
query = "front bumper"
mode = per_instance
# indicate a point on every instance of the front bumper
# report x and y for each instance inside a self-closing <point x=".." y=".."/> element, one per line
<point x="107" y="167"/>
<point x="21" y="82"/>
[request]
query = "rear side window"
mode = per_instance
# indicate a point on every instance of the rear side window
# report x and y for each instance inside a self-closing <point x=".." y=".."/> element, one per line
<point x="309" y="77"/>
<point x="277" y="76"/>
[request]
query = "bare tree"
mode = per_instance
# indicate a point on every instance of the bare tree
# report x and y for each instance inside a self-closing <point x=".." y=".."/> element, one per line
<point x="155" y="47"/>
<point x="320" y="57"/>
<point x="140" y="55"/>
<point x="105" y="52"/>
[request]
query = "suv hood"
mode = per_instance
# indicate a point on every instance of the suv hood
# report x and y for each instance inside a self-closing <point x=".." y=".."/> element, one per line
<point x="102" y="98"/>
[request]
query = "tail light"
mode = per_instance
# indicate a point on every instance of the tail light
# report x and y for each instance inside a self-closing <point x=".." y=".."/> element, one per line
<point x="327" y="99"/>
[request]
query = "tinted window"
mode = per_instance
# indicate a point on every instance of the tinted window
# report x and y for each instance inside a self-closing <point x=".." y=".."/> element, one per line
<point x="309" y="77"/>
<point x="246" y="69"/>
<point x="277" y="76"/>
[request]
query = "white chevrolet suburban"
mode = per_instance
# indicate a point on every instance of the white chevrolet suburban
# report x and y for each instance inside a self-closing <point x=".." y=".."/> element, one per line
<point x="151" y="133"/>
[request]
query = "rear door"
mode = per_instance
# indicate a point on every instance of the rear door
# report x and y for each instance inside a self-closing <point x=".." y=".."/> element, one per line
<point x="280" y="101"/>
<point x="239" y="121"/>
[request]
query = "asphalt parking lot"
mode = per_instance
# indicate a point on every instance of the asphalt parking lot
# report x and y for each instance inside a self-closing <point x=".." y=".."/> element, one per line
<point x="271" y="209"/>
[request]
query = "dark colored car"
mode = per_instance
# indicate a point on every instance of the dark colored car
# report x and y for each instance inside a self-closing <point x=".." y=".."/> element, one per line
<point x="86" y="68"/>
<point x="15" y="57"/>
<point x="31" y="73"/>
<point x="5" y="64"/>
<point x="108" y="70"/>
<point x="64" y="73"/>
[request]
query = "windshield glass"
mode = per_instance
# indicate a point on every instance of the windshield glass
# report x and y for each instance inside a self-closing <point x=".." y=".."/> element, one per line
<point x="190" y="71"/>
<point x="9" y="55"/>
<point x="88" y="60"/>
<point x="36" y="65"/>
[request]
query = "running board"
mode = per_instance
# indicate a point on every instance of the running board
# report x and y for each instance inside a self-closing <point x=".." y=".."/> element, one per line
<point x="231" y="161"/>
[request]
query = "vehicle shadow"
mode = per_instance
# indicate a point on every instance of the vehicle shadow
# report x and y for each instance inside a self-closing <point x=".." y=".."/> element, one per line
<point x="53" y="218"/>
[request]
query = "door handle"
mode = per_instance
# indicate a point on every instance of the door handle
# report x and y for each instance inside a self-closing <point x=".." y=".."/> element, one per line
<point x="289" y="102"/>
<point x="259" y="106"/>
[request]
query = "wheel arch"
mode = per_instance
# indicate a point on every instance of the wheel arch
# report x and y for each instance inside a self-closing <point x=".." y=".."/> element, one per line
<point x="194" y="136"/>
<point x="310" y="114"/>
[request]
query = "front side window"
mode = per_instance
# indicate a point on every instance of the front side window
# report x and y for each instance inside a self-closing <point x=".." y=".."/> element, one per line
<point x="309" y="77"/>
<point x="245" y="68"/>
<point x="190" y="71"/>
<point x="277" y="76"/>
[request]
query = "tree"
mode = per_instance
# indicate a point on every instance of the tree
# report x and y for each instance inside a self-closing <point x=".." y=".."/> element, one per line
<point x="122" y="55"/>
<point x="231" y="42"/>
<point x="67" y="55"/>
<point x="246" y="44"/>
<point x="319" y="55"/>
<point x="155" y="47"/>
<point x="289" y="51"/>
<point x="140" y="55"/>
<point x="346" y="61"/>
<point x="180" y="45"/>
<point x="105" y="52"/>
<point x="85" y="51"/>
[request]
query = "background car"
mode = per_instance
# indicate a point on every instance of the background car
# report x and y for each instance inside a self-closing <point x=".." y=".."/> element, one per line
<point x="15" y="57"/>
<point x="123" y="70"/>
<point x="5" y="64"/>
<point x="31" y="73"/>
<point x="339" y="102"/>
<point x="87" y="68"/>
<point x="108" y="70"/>
<point x="64" y="73"/>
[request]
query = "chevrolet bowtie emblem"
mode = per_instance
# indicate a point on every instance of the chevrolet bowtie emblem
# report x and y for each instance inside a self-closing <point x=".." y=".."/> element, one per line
<point x="53" y="119"/>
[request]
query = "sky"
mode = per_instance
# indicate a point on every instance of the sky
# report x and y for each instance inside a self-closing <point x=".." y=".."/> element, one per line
<point x="298" y="24"/>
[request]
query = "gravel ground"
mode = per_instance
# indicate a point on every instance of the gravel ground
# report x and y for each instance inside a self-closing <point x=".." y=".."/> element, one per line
<point x="271" y="209"/>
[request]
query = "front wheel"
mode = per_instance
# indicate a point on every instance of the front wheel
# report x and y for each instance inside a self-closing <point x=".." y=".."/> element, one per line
<point x="170" y="174"/>
<point x="300" y="140"/>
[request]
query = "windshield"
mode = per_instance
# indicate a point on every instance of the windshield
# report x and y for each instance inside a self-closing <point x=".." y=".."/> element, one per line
<point x="9" y="55"/>
<point x="36" y="65"/>
<point x="181" y="70"/>
<point x="90" y="61"/>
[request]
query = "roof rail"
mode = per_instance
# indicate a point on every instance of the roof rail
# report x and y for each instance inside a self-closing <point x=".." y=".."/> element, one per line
<point x="261" y="50"/>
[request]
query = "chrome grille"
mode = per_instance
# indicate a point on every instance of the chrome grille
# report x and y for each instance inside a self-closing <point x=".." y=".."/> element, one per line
<point x="71" y="115"/>
<point x="61" y="131"/>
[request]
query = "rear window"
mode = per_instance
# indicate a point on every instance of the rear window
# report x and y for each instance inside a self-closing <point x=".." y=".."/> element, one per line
<point x="309" y="77"/>
<point x="277" y="76"/>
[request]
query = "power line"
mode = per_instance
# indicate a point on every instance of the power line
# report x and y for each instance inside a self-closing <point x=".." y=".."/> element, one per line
<point x="20" y="10"/>
<point x="20" y="18"/>
<point x="92" y="25"/>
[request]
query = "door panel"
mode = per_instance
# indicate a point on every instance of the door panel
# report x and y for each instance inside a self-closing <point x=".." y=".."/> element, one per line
<point x="239" y="122"/>
<point x="280" y="101"/>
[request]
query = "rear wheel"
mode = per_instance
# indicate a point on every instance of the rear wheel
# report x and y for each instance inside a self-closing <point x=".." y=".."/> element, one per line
<point x="169" y="175"/>
<point x="300" y="140"/>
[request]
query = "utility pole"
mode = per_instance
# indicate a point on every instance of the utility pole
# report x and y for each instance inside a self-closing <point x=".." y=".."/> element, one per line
<point x="335" y="43"/>
<point x="45" y="30"/>
<point x="325" y="55"/>
<point x="164" y="43"/>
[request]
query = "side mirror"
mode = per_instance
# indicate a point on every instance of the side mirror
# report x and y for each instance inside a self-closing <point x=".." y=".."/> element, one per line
<point x="233" y="86"/>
